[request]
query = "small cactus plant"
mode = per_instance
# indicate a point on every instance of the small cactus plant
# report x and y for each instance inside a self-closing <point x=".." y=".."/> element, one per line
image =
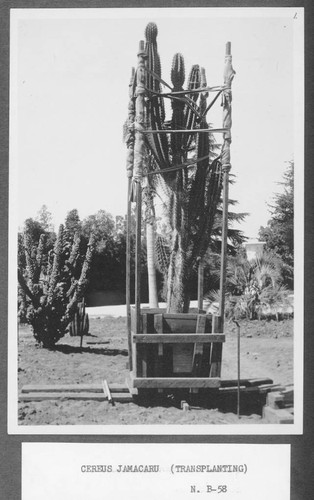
<point x="80" y="323"/>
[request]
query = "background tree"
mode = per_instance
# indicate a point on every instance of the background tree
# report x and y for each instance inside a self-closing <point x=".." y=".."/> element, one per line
<point x="279" y="232"/>
<point x="101" y="224"/>
<point x="73" y="223"/>
<point x="254" y="287"/>
<point x="44" y="217"/>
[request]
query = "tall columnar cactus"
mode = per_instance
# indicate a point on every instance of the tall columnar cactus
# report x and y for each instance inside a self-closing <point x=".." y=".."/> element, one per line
<point x="155" y="111"/>
<point x="190" y="193"/>
<point x="54" y="286"/>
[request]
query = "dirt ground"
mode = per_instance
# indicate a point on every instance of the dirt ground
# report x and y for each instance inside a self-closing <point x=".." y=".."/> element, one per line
<point x="266" y="351"/>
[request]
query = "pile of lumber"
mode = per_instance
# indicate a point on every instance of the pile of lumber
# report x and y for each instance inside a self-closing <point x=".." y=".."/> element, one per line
<point x="279" y="406"/>
<point x="91" y="392"/>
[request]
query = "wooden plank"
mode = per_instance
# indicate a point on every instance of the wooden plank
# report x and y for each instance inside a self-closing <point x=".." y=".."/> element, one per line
<point x="169" y="316"/>
<point x="107" y="391"/>
<point x="174" y="382"/>
<point x="172" y="323"/>
<point x="215" y="360"/>
<point x="259" y="381"/>
<point x="198" y="347"/>
<point x="122" y="397"/>
<point x="143" y="353"/>
<point x="200" y="286"/>
<point x="139" y="155"/>
<point x="246" y="382"/>
<point x="63" y="388"/>
<point x="179" y="325"/>
<point x="185" y="406"/>
<point x="133" y="319"/>
<point x="135" y="365"/>
<point x="98" y="342"/>
<point x="275" y="400"/>
<point x="277" y="416"/>
<point x="158" y="327"/>
<point x="129" y="383"/>
<point x="42" y="396"/>
<point x="114" y="388"/>
<point x="128" y="271"/>
<point x="216" y="351"/>
<point x="158" y="323"/>
<point x="173" y="338"/>
<point x="182" y="358"/>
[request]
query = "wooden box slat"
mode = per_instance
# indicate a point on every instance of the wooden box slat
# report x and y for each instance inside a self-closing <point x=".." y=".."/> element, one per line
<point x="175" y="382"/>
<point x="173" y="338"/>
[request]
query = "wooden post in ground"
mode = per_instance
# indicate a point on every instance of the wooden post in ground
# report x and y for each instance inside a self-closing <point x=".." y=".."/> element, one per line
<point x="200" y="286"/>
<point x="226" y="165"/>
<point x="129" y="167"/>
<point x="128" y="272"/>
<point x="139" y="156"/>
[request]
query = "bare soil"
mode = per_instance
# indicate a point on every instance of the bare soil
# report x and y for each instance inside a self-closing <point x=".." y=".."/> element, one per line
<point x="266" y="351"/>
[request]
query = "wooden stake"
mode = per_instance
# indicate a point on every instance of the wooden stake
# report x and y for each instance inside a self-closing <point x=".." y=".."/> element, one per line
<point x="139" y="154"/>
<point x="200" y="286"/>
<point x="138" y="257"/>
<point x="130" y="140"/>
<point x="225" y="160"/>
<point x="128" y="272"/>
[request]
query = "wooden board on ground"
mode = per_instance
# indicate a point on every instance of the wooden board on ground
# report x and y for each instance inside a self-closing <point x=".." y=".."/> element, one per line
<point x="94" y="392"/>
<point x="175" y="383"/>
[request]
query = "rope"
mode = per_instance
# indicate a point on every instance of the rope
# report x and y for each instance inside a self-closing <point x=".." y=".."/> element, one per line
<point x="188" y="164"/>
<point x="183" y="131"/>
<point x="211" y="104"/>
<point x="151" y="72"/>
<point x="183" y="92"/>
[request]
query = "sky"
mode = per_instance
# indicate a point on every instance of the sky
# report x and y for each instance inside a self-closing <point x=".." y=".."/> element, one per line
<point x="70" y="70"/>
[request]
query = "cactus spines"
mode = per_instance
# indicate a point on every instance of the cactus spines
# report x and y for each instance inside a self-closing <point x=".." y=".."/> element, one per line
<point x="190" y="110"/>
<point x="177" y="72"/>
<point x="151" y="32"/>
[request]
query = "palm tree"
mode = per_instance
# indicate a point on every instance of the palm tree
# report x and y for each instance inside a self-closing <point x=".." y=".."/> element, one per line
<point x="257" y="283"/>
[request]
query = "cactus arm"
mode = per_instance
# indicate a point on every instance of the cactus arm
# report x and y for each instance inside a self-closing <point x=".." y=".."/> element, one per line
<point x="81" y="284"/>
<point x="25" y="287"/>
<point x="57" y="263"/>
<point x="155" y="106"/>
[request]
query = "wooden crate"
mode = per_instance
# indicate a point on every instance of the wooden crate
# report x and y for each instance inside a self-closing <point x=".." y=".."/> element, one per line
<point x="175" y="350"/>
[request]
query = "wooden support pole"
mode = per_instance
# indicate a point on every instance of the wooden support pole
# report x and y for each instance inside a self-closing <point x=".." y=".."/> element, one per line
<point x="224" y="246"/>
<point x="138" y="257"/>
<point x="128" y="272"/>
<point x="139" y="155"/>
<point x="200" y="286"/>
<point x="239" y="369"/>
<point x="130" y="139"/>
<point x="226" y="165"/>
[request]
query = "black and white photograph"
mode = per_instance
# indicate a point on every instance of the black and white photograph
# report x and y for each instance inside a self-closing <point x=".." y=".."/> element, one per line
<point x="156" y="221"/>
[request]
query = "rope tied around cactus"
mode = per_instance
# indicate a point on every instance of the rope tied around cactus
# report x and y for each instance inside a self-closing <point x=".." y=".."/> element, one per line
<point x="187" y="164"/>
